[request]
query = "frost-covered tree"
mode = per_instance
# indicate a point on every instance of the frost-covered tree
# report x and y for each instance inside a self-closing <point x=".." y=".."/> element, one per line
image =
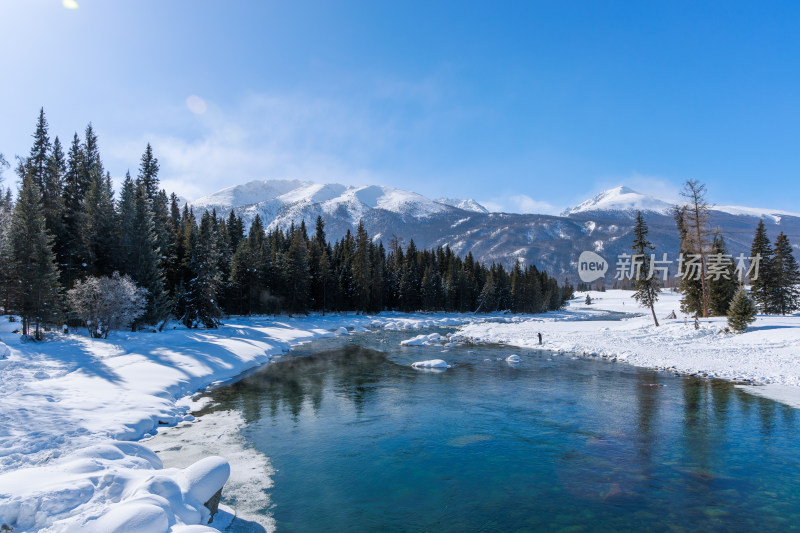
<point x="106" y="303"/>
<point x="742" y="312"/>
<point x="646" y="286"/>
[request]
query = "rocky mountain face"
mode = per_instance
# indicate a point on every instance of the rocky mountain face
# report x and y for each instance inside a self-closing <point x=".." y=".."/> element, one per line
<point x="602" y="224"/>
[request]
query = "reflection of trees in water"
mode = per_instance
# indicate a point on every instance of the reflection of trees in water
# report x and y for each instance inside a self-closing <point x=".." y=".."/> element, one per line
<point x="615" y="468"/>
<point x="290" y="383"/>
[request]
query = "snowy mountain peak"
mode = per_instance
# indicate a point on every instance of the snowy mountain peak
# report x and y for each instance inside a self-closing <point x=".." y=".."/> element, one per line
<point x="620" y="199"/>
<point x="467" y="205"/>
<point x="252" y="192"/>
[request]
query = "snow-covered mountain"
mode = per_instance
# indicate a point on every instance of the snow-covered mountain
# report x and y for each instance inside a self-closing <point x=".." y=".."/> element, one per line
<point x="620" y="199"/>
<point x="466" y="205"/>
<point x="281" y="202"/>
<point x="602" y="224"/>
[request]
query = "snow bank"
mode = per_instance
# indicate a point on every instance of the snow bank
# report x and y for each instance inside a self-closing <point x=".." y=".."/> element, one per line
<point x="422" y="340"/>
<point x="767" y="353"/>
<point x="145" y="497"/>
<point x="433" y="363"/>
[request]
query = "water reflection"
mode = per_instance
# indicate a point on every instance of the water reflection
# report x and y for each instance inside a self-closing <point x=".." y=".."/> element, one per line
<point x="297" y="382"/>
<point x="367" y="443"/>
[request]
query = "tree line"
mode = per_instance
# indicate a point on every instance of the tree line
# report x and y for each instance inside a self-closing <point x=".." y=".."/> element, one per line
<point x="66" y="225"/>
<point x="775" y="286"/>
<point x="710" y="284"/>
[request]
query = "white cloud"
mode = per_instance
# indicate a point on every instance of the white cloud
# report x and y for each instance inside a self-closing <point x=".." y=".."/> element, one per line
<point x="265" y="137"/>
<point x="519" y="203"/>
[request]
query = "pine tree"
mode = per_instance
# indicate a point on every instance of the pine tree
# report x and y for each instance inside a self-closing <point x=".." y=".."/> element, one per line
<point x="588" y="300"/>
<point x="53" y="196"/>
<point x="36" y="163"/>
<point x="297" y="273"/>
<point x="75" y="250"/>
<point x="37" y="296"/>
<point x="201" y="300"/>
<point x="786" y="274"/>
<point x="690" y="286"/>
<point x="763" y="285"/>
<point x="362" y="269"/>
<point x="101" y="226"/>
<point x="742" y="311"/>
<point x="6" y="207"/>
<point x="722" y="285"/>
<point x="646" y="286"/>
<point x="148" y="173"/>
<point x="145" y="264"/>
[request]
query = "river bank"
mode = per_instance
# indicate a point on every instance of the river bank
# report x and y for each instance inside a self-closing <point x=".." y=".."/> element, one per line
<point x="65" y="401"/>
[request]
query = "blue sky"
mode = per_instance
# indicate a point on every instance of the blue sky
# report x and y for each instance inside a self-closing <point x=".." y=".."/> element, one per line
<point x="528" y="106"/>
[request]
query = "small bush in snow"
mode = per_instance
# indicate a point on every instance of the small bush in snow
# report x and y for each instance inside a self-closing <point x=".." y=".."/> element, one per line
<point x="104" y="303"/>
<point x="742" y="311"/>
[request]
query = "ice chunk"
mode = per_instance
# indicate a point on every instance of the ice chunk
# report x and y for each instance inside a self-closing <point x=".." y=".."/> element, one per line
<point x="433" y="363"/>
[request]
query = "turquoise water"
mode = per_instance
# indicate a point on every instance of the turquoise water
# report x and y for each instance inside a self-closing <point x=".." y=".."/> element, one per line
<point x="362" y="442"/>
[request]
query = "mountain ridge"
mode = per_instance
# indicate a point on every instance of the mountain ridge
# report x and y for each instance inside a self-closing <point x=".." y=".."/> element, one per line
<point x="602" y="223"/>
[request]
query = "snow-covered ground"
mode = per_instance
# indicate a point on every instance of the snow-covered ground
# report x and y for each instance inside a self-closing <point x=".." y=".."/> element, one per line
<point x="67" y="404"/>
<point x="768" y="353"/>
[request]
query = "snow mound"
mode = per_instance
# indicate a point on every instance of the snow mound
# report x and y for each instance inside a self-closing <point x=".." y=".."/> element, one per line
<point x="513" y="358"/>
<point x="72" y="494"/>
<point x="423" y="340"/>
<point x="5" y="351"/>
<point x="433" y="363"/>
